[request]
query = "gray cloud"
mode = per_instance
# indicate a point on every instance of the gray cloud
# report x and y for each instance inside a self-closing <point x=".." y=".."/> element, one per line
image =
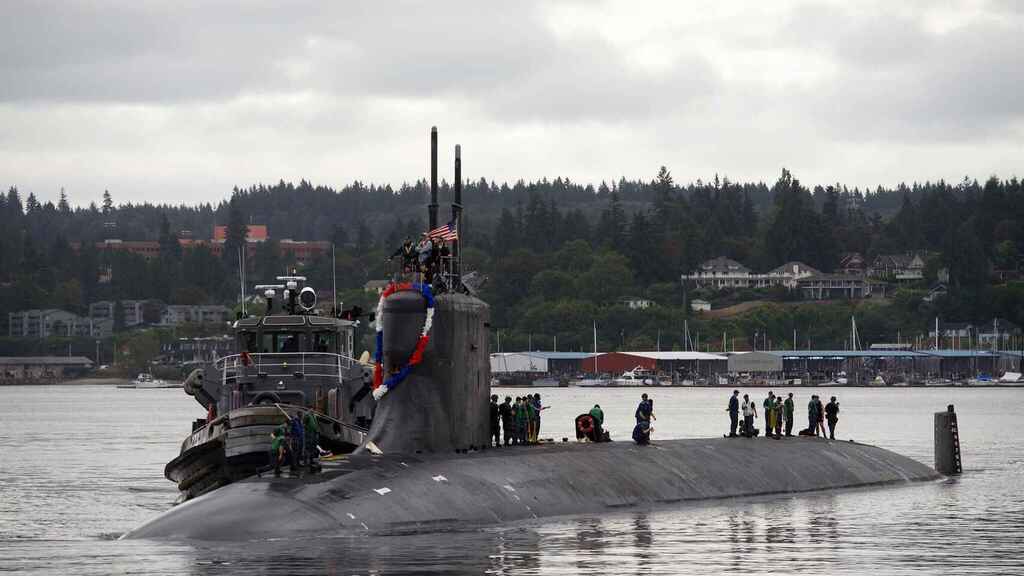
<point x="156" y="100"/>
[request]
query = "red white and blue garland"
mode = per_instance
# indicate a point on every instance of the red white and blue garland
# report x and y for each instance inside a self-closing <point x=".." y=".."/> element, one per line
<point x="380" y="384"/>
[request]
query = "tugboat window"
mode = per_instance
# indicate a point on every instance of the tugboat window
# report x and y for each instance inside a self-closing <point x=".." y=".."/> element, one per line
<point x="324" y="342"/>
<point x="278" y="342"/>
<point x="250" y="342"/>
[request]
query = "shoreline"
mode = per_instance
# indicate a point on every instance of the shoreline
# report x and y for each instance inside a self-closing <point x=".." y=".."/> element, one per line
<point x="73" y="382"/>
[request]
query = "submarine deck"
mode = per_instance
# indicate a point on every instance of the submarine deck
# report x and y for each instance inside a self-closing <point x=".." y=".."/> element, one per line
<point x="423" y="492"/>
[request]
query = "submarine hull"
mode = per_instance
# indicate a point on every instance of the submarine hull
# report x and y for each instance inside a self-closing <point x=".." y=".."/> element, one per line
<point x="400" y="493"/>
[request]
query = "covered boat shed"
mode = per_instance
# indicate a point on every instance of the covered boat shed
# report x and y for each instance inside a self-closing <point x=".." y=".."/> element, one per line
<point x="687" y="363"/>
<point x="818" y="365"/>
<point x="766" y="362"/>
<point x="539" y="362"/>
<point x="41" y="369"/>
<point x="958" y="364"/>
<point x="668" y="362"/>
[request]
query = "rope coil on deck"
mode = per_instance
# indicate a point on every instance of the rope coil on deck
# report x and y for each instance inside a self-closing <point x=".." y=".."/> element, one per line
<point x="380" y="384"/>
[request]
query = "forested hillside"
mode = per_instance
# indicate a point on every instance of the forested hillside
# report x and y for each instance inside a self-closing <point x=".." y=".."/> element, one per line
<point x="558" y="254"/>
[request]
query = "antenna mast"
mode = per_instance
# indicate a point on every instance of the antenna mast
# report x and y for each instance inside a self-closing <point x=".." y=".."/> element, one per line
<point x="432" y="207"/>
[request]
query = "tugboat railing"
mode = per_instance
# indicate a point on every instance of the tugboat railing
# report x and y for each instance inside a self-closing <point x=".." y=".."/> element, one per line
<point x="285" y="364"/>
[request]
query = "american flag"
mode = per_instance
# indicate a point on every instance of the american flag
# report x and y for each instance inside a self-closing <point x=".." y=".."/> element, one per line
<point x="448" y="232"/>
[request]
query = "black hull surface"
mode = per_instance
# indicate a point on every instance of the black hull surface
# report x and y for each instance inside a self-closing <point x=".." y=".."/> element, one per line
<point x="384" y="494"/>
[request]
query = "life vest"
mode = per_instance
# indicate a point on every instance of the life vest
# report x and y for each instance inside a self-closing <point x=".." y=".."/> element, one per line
<point x="585" y="424"/>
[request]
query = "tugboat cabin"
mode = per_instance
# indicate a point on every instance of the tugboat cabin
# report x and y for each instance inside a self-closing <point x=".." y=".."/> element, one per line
<point x="290" y="359"/>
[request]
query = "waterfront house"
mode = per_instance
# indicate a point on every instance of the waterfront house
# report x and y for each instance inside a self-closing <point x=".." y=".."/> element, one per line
<point x="49" y="322"/>
<point x="906" y="267"/>
<point x="719" y="273"/>
<point x="852" y="264"/>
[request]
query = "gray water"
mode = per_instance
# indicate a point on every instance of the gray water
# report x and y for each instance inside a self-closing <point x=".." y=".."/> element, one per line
<point x="80" y="465"/>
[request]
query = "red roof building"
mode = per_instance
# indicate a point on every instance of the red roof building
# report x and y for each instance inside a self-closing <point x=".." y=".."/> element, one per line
<point x="618" y="362"/>
<point x="256" y="233"/>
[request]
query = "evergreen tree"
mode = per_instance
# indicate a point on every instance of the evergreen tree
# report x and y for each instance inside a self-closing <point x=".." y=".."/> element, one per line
<point x="108" y="203"/>
<point x="796" y="231"/>
<point x="830" y="210"/>
<point x="13" y="205"/>
<point x="641" y="248"/>
<point x="31" y="204"/>
<point x="664" y="196"/>
<point x="506" y="235"/>
<point x="613" y="222"/>
<point x="535" y="224"/>
<point x="62" y="205"/>
<point x="749" y="215"/>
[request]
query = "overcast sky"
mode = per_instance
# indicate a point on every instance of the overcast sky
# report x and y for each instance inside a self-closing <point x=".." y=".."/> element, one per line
<point x="163" y="103"/>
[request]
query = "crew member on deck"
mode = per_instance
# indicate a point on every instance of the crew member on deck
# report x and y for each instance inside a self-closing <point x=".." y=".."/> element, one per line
<point x="778" y="417"/>
<point x="788" y="408"/>
<point x="832" y="415"/>
<point x="531" y="418"/>
<point x="311" y="432"/>
<point x="277" y="448"/>
<point x="426" y="249"/>
<point x="642" y="432"/>
<point x="734" y="412"/>
<point x="522" y="420"/>
<point x="495" y="419"/>
<point x="598" y="415"/>
<point x="537" y="407"/>
<point x="769" y="408"/>
<point x="408" y="253"/>
<point x="297" y="442"/>
<point x="812" y="416"/>
<point x="645" y="410"/>
<point x="749" y="413"/>
<point x="508" y="423"/>
<point x="820" y="411"/>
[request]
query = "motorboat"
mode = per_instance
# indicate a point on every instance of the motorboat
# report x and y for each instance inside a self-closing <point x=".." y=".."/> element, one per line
<point x="146" y="380"/>
<point x="638" y="376"/>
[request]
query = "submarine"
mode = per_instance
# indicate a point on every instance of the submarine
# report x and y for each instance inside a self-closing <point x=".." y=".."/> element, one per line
<point x="425" y="465"/>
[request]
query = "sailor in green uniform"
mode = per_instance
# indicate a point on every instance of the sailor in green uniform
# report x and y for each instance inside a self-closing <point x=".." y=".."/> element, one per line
<point x="522" y="420"/>
<point x="278" y="442"/>
<point x="531" y="419"/>
<point x="598" y="415"/>
<point x="769" y="413"/>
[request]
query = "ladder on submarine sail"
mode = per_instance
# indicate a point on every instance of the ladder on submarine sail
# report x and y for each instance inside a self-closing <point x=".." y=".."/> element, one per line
<point x="287" y="362"/>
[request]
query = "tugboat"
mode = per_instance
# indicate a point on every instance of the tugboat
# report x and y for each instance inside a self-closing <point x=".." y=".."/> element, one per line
<point x="288" y="362"/>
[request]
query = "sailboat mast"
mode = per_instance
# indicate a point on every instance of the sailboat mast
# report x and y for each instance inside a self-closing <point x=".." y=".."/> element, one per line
<point x="241" y="278"/>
